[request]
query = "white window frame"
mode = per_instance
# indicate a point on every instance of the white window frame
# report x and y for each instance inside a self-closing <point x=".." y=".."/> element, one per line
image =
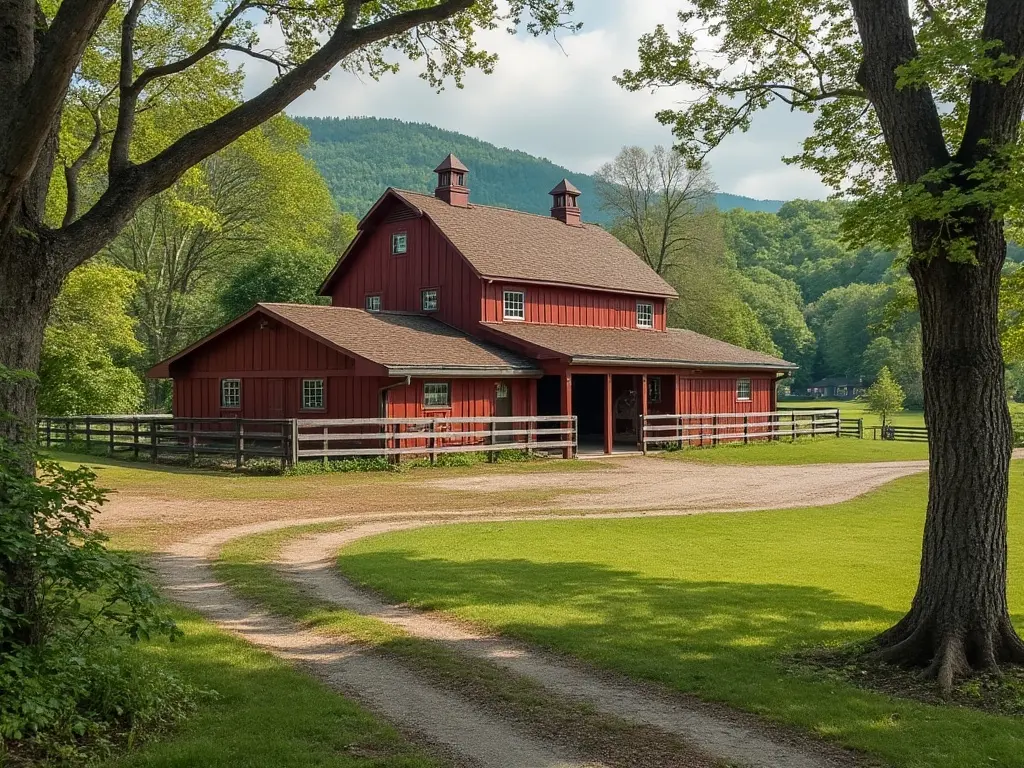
<point x="750" y="390"/>
<point x="423" y="299"/>
<point x="399" y="243"/>
<point x="513" y="308"/>
<point x="371" y="300"/>
<point x="437" y="395"/>
<point x="644" y="314"/>
<point x="231" y="393"/>
<point x="654" y="389"/>
<point x="314" y="395"/>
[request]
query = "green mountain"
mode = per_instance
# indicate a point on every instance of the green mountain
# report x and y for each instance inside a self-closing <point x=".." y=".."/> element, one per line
<point x="360" y="156"/>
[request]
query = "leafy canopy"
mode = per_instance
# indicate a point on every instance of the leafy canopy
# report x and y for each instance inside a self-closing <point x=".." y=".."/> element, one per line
<point x="885" y="397"/>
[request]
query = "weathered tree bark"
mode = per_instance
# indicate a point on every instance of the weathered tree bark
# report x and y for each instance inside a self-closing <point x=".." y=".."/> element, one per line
<point x="959" y="621"/>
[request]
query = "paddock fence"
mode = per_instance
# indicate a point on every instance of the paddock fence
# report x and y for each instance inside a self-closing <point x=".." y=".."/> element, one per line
<point x="289" y="441"/>
<point x="708" y="429"/>
<point x="893" y="432"/>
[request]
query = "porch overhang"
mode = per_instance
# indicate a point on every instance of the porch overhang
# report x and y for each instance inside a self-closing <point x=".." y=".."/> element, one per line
<point x="640" y="362"/>
<point x="463" y="372"/>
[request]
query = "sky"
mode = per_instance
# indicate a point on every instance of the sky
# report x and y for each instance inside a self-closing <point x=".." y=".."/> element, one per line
<point x="557" y="100"/>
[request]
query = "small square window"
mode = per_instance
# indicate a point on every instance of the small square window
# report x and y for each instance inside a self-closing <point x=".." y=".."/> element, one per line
<point x="230" y="393"/>
<point x="654" y="389"/>
<point x="742" y="389"/>
<point x="515" y="305"/>
<point x="399" y="243"/>
<point x="428" y="300"/>
<point x="373" y="303"/>
<point x="312" y="394"/>
<point x="436" y="394"/>
<point x="644" y="315"/>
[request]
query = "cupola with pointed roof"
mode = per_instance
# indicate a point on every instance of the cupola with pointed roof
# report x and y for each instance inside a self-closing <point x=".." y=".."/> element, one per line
<point x="451" y="182"/>
<point x="564" y="203"/>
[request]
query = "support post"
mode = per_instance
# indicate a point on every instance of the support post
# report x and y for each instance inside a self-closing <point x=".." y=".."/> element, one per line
<point x="792" y="426"/>
<point x="432" y="442"/>
<point x="191" y="442"/>
<point x="294" y="441"/>
<point x="714" y="430"/>
<point x="490" y="453"/>
<point x="746" y="436"/>
<point x="135" y="438"/>
<point x="839" y="424"/>
<point x="643" y="413"/>
<point x="567" y="410"/>
<point x="239" y="441"/>
<point x="860" y="428"/>
<point x="326" y="446"/>
<point x="609" y="415"/>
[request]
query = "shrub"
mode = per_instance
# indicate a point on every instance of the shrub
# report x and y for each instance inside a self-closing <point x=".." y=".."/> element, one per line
<point x="358" y="464"/>
<point x="262" y="467"/>
<point x="69" y="684"/>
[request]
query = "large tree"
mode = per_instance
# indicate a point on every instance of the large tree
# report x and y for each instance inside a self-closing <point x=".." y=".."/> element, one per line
<point x="917" y="119"/>
<point x="52" y="50"/>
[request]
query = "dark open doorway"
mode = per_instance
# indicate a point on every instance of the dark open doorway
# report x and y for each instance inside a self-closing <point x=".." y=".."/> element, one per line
<point x="549" y="396"/>
<point x="588" y="407"/>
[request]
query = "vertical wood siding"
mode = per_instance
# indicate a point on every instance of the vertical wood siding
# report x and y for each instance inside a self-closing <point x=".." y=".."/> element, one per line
<point x="469" y="398"/>
<point x="717" y="394"/>
<point x="570" y="306"/>
<point x="430" y="262"/>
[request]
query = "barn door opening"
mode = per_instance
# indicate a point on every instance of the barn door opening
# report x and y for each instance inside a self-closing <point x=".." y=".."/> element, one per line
<point x="503" y="407"/>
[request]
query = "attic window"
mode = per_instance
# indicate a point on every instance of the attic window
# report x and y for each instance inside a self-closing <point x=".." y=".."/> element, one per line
<point x="644" y="315"/>
<point x="399" y="243"/>
<point x="444" y="179"/>
<point x="373" y="302"/>
<point x="515" y="305"/>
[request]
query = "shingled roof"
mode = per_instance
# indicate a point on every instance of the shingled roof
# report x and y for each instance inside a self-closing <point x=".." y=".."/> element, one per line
<point x="504" y="244"/>
<point x="405" y="344"/>
<point x="675" y="346"/>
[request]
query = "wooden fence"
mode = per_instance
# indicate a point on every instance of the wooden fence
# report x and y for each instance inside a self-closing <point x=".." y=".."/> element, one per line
<point x="347" y="438"/>
<point x="893" y="432"/>
<point x="706" y="429"/>
<point x="292" y="440"/>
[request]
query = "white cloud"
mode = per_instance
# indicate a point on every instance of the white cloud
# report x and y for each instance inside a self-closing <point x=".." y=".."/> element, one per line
<point x="564" y="105"/>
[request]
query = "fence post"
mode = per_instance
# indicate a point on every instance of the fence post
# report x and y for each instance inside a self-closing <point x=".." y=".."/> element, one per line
<point x="814" y="425"/>
<point x="327" y="444"/>
<point x="643" y="434"/>
<point x="135" y="437"/>
<point x="295" y="442"/>
<point x="110" y="439"/>
<point x="714" y="430"/>
<point x="839" y="424"/>
<point x="238" y="443"/>
<point x="682" y="432"/>
<point x="240" y="457"/>
<point x="860" y="428"/>
<point x="792" y="426"/>
<point x="398" y="429"/>
<point x="432" y="442"/>
<point x="493" y="442"/>
<point x="154" y="440"/>
<point x="48" y="430"/>
<point x="67" y="433"/>
<point x="746" y="435"/>
<point x="88" y="435"/>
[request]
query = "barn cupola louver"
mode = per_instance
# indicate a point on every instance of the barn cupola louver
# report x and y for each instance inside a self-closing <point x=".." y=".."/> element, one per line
<point x="564" y="205"/>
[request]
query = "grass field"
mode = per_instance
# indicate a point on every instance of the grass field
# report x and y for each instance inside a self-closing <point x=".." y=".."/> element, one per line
<point x="819" y="450"/>
<point x="715" y="605"/>
<point x="265" y="714"/>
<point x="858" y="409"/>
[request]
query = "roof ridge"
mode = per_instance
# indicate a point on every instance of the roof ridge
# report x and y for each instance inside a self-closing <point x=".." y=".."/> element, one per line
<point x="502" y="208"/>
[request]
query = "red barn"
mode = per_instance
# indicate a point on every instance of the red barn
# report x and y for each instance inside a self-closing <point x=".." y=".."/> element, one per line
<point x="443" y="307"/>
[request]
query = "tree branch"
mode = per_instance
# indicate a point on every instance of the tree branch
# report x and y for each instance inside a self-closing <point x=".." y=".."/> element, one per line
<point x="129" y="95"/>
<point x="71" y="172"/>
<point x="131" y="185"/>
<point x="42" y="97"/>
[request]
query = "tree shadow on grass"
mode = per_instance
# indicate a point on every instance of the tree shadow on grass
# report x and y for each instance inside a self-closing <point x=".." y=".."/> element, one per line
<point x="722" y="641"/>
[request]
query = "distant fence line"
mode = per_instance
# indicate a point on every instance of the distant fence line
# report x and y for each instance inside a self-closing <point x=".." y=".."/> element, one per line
<point x="701" y="429"/>
<point x="893" y="432"/>
<point x="292" y="440"/>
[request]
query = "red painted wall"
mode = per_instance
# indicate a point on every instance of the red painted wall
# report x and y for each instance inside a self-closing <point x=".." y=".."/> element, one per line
<point x="430" y="262"/>
<point x="716" y="393"/>
<point x="570" y="306"/>
<point x="469" y="398"/>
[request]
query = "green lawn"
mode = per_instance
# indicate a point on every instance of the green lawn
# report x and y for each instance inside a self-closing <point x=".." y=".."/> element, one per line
<point x="712" y="605"/>
<point x="265" y="714"/>
<point x="820" y="450"/>
<point x="858" y="409"/>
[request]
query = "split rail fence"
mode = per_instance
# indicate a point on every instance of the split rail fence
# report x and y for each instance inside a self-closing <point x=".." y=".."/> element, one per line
<point x="292" y="440"/>
<point x="893" y="432"/>
<point x="708" y="429"/>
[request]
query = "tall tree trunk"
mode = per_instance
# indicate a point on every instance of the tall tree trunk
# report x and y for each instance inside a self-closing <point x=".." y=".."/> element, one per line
<point x="30" y="278"/>
<point x="959" y="620"/>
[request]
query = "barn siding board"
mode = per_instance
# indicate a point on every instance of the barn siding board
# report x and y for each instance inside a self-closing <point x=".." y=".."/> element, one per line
<point x="430" y="262"/>
<point x="569" y="306"/>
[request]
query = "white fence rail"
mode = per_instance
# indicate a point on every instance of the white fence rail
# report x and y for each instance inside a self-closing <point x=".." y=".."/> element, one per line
<point x="702" y="429"/>
<point x="349" y="438"/>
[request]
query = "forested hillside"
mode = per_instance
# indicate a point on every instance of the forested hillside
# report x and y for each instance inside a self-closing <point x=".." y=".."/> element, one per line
<point x="359" y="157"/>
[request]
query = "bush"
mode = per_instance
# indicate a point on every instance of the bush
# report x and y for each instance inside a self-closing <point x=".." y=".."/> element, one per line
<point x="69" y="682"/>
<point x="318" y="467"/>
<point x="262" y="467"/>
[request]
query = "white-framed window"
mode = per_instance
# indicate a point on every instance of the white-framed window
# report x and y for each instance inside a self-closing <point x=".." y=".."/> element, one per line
<point x="436" y="394"/>
<point x="373" y="302"/>
<point x="312" y="394"/>
<point x="515" y="305"/>
<point x="644" y="314"/>
<point x="399" y="243"/>
<point x="230" y="393"/>
<point x="654" y="389"/>
<point x="428" y="299"/>
<point x="743" y="389"/>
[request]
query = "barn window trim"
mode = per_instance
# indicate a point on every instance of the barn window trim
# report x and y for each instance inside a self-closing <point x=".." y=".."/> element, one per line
<point x="741" y="385"/>
<point x="373" y="302"/>
<point x="654" y="389"/>
<point x="399" y="243"/>
<point x="644" y="314"/>
<point x="314" y="395"/>
<point x="433" y="293"/>
<point x="231" y="393"/>
<point x="513" y="304"/>
<point x="437" y="396"/>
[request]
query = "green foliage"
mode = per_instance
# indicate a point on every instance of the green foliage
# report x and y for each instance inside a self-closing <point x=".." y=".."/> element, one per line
<point x="89" y="344"/>
<point x="359" y="156"/>
<point x="68" y="682"/>
<point x="885" y="397"/>
<point x="358" y="464"/>
<point x="276" y="276"/>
